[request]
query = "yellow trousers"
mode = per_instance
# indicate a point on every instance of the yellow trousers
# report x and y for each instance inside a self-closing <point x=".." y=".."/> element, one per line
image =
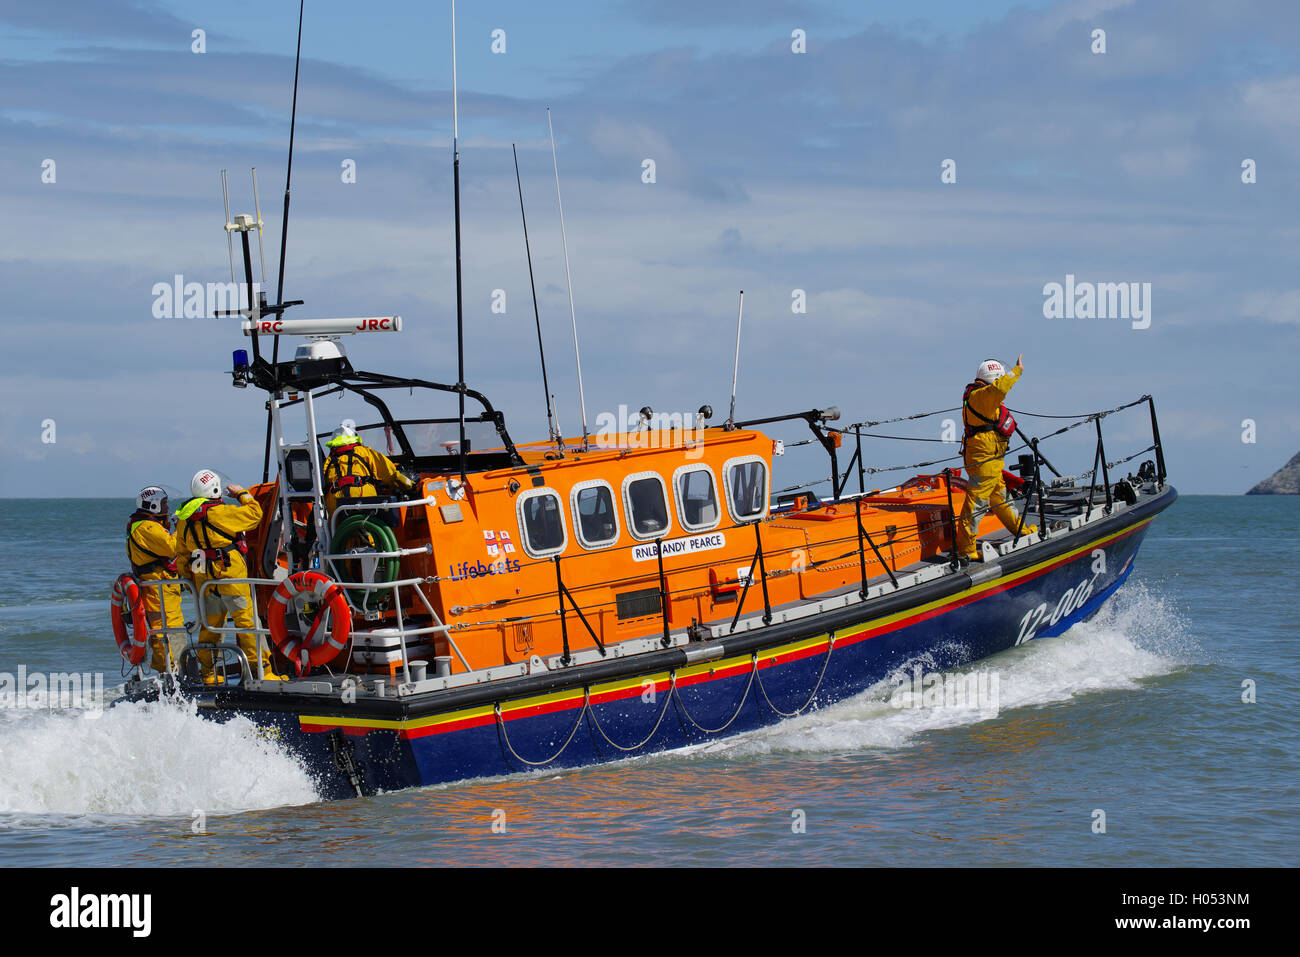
<point x="987" y="491"/>
<point x="165" y="649"/>
<point x="236" y="602"/>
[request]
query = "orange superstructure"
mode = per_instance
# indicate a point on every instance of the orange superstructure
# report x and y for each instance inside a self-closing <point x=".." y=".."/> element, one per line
<point x="595" y="520"/>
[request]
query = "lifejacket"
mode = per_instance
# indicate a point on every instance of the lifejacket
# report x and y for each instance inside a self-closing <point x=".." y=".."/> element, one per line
<point x="342" y="463"/>
<point x="160" y="563"/>
<point x="219" y="552"/>
<point x="1004" y="425"/>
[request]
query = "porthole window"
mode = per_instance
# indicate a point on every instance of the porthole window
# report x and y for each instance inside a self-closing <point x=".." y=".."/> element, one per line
<point x="595" y="516"/>
<point x="747" y="487"/>
<point x="697" y="498"/>
<point x="541" y="522"/>
<point x="646" y="499"/>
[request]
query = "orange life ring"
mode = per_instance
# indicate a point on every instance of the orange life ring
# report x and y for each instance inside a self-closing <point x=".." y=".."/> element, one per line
<point x="132" y="643"/>
<point x="301" y="649"/>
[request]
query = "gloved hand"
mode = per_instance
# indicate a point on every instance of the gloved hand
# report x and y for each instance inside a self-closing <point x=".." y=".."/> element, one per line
<point x="407" y="488"/>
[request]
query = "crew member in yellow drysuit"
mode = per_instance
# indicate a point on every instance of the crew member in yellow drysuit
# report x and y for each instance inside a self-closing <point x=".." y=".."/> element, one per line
<point x="989" y="427"/>
<point x="210" y="543"/>
<point x="354" y="471"/>
<point x="151" y="547"/>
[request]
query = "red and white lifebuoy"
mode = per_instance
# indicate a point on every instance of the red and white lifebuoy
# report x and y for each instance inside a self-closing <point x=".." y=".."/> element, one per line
<point x="310" y="651"/>
<point x="127" y="601"/>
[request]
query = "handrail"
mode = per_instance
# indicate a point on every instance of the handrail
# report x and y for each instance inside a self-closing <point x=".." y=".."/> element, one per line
<point x="369" y="506"/>
<point x="667" y="594"/>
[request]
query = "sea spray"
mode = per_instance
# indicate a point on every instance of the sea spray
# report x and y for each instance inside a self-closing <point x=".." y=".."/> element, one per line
<point x="157" y="759"/>
<point x="1135" y="636"/>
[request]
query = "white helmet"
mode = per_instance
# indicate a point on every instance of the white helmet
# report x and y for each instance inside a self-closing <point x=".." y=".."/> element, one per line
<point x="343" y="435"/>
<point x="990" y="371"/>
<point x="205" y="484"/>
<point x="152" y="499"/>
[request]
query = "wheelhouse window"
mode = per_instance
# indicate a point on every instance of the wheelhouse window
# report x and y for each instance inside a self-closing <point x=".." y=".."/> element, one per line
<point x="541" y="522"/>
<point x="747" y="487"/>
<point x="595" y="515"/>
<point x="697" y="498"/>
<point x="646" y="498"/>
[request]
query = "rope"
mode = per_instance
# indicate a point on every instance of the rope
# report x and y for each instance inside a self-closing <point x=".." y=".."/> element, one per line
<point x="902" y="418"/>
<point x="681" y="705"/>
<point x="672" y="686"/>
<point x="505" y="738"/>
<point x="1087" y="415"/>
<point x="920" y="465"/>
<point x="830" y="646"/>
<point x="1149" y="448"/>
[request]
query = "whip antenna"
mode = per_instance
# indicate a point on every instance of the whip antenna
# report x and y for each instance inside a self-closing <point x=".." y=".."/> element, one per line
<point x="257" y="208"/>
<point x="582" y="401"/>
<point x="460" y="301"/>
<point x="230" y="243"/>
<point x="546" y="388"/>
<point x="284" y="234"/>
<point x="735" y="368"/>
<point x="288" y="173"/>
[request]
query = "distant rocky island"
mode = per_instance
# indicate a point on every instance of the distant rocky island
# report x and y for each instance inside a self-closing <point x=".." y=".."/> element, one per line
<point x="1285" y="481"/>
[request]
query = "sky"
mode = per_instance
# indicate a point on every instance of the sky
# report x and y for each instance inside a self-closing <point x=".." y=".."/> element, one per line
<point x="815" y="175"/>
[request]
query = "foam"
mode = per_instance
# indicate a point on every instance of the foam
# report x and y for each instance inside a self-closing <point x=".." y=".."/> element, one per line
<point x="1135" y="636"/>
<point x="138" y="760"/>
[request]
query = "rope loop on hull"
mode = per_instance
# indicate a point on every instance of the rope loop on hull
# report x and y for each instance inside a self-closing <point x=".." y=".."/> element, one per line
<point x="668" y="700"/>
<point x="830" y="646"/>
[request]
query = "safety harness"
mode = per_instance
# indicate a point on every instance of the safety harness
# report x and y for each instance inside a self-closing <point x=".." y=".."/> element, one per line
<point x="1004" y="425"/>
<point x="207" y="528"/>
<point x="342" y="462"/>
<point x="160" y="562"/>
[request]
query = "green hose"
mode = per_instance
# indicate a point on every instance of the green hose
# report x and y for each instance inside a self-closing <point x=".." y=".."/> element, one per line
<point x="376" y="535"/>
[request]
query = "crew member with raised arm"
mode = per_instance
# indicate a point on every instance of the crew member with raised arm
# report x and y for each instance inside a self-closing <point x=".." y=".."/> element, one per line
<point x="989" y="426"/>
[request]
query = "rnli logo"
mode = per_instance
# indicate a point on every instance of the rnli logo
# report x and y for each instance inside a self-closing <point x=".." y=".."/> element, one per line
<point x="498" y="543"/>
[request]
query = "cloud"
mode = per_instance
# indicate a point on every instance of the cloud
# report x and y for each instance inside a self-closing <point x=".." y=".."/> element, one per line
<point x="1273" y="306"/>
<point x="774" y="172"/>
<point x="125" y="19"/>
<point x="726" y="13"/>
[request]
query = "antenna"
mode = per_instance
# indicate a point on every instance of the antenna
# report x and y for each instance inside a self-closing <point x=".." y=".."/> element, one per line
<point x="582" y="401"/>
<point x="284" y="235"/>
<point x="546" y="388"/>
<point x="288" y="173"/>
<point x="257" y="208"/>
<point x="230" y="246"/>
<point x="460" y="299"/>
<point x="735" y="368"/>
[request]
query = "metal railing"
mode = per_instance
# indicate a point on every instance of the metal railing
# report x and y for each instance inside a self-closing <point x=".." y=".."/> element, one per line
<point x="856" y="544"/>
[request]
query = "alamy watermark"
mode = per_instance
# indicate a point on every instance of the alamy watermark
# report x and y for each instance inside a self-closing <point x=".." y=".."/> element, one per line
<point x="977" y="691"/>
<point x="38" y="690"/>
<point x="651" y="430"/>
<point x="179" y="299"/>
<point x="1102" y="300"/>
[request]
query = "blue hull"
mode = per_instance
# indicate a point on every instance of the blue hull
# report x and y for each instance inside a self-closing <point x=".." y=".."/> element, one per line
<point x="758" y="679"/>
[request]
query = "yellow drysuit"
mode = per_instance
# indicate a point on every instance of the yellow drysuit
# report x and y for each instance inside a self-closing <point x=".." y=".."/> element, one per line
<point x="150" y="548"/>
<point x="983" y="451"/>
<point x="209" y="528"/>
<point x="355" y="471"/>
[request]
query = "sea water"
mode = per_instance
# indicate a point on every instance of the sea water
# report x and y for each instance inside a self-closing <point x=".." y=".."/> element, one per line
<point x="1162" y="732"/>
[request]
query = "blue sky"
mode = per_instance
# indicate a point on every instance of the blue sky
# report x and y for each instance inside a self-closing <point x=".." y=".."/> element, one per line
<point x="775" y="172"/>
